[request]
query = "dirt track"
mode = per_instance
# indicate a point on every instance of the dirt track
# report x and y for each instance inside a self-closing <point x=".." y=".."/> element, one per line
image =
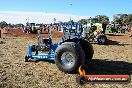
<point x="113" y="58"/>
<point x="18" y="32"/>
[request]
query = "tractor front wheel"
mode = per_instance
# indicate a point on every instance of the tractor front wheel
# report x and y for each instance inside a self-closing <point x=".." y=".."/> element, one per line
<point x="101" y="39"/>
<point x="88" y="50"/>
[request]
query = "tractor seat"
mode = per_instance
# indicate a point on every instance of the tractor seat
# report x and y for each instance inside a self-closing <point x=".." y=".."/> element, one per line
<point x="46" y="41"/>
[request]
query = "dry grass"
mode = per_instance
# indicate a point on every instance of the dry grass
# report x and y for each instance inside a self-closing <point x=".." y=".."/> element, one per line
<point x="115" y="58"/>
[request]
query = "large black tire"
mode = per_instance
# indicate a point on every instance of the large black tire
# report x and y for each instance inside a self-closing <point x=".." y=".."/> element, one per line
<point x="101" y="39"/>
<point x="72" y="63"/>
<point x="88" y="50"/>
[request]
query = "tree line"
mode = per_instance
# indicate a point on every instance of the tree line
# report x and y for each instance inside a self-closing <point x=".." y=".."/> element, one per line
<point x="97" y="19"/>
<point x="3" y="24"/>
<point x="122" y="19"/>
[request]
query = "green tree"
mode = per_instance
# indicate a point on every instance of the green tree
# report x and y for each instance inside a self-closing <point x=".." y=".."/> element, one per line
<point x="117" y="20"/>
<point x="123" y="19"/>
<point x="71" y="21"/>
<point x="83" y="21"/>
<point x="120" y="19"/>
<point x="3" y="24"/>
<point x="92" y="20"/>
<point x="129" y="19"/>
<point x="19" y="25"/>
<point x="102" y="19"/>
<point x="60" y="22"/>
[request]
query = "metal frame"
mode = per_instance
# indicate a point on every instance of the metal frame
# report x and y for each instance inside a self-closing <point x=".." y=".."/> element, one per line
<point x="51" y="54"/>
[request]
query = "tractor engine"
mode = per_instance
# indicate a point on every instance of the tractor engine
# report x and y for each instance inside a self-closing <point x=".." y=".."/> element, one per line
<point x="44" y="44"/>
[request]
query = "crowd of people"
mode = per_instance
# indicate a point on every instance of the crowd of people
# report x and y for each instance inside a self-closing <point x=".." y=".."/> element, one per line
<point x="117" y="28"/>
<point x="111" y="28"/>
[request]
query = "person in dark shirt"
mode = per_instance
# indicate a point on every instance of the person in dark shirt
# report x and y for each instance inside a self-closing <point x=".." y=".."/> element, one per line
<point x="104" y="27"/>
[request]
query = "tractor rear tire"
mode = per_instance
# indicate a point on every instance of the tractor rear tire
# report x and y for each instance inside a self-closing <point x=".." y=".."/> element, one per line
<point x="71" y="63"/>
<point x="88" y="50"/>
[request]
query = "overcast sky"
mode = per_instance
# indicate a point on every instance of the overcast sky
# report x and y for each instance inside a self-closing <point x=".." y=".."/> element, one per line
<point x="14" y="17"/>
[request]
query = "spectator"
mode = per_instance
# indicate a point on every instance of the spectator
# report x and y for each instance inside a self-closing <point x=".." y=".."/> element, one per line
<point x="130" y="32"/>
<point x="104" y="27"/>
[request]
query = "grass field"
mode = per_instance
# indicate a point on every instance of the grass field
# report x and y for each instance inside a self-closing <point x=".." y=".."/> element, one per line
<point x="113" y="58"/>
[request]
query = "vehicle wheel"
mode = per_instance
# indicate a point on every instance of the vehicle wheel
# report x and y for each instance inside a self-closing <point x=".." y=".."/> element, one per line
<point x="101" y="39"/>
<point x="26" y="58"/>
<point x="88" y="50"/>
<point x="69" y="56"/>
<point x="81" y="80"/>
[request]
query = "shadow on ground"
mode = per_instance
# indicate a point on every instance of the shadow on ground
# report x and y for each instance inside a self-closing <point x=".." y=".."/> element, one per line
<point x="109" y="67"/>
<point x="50" y="61"/>
<point x="106" y="67"/>
<point x="114" y="34"/>
<point x="111" y="42"/>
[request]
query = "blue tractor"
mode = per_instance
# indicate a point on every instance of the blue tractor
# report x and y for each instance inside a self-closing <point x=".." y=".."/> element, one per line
<point x="68" y="54"/>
